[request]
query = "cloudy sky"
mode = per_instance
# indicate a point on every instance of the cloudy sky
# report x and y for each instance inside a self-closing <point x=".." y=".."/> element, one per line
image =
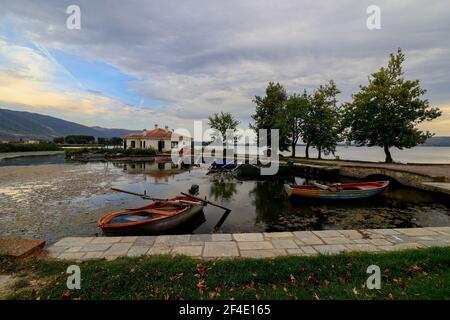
<point x="137" y="63"/>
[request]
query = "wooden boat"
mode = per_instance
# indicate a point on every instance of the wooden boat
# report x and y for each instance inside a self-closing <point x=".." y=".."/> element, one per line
<point x="154" y="218"/>
<point x="337" y="191"/>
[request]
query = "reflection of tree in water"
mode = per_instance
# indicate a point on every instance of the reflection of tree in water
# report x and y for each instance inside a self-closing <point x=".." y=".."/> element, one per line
<point x="222" y="188"/>
<point x="277" y="212"/>
<point x="269" y="200"/>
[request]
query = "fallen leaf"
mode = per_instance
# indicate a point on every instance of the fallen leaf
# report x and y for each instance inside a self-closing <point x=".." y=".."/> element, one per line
<point x="293" y="280"/>
<point x="201" y="285"/>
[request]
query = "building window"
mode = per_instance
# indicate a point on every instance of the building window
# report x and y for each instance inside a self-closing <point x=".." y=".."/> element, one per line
<point x="133" y="144"/>
<point x="174" y="144"/>
<point x="144" y="144"/>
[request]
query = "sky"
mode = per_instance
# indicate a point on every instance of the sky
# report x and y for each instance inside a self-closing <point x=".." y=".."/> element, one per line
<point x="137" y="63"/>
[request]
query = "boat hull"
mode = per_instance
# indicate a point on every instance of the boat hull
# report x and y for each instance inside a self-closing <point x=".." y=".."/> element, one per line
<point x="149" y="219"/>
<point x="317" y="193"/>
<point x="156" y="227"/>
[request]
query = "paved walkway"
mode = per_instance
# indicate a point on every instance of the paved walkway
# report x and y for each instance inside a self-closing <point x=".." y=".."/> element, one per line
<point x="431" y="169"/>
<point x="253" y="245"/>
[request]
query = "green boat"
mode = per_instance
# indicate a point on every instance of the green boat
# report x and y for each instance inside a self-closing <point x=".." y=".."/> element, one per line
<point x="252" y="170"/>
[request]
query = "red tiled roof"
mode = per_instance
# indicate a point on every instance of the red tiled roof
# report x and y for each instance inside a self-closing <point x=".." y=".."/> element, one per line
<point x="157" y="133"/>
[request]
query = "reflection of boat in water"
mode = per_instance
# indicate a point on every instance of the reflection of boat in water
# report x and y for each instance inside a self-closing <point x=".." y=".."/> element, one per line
<point x="337" y="191"/>
<point x="155" y="218"/>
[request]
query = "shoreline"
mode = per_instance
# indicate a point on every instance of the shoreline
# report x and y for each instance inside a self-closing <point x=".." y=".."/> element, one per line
<point x="13" y="155"/>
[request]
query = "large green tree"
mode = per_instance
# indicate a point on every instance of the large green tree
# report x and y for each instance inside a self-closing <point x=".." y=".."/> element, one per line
<point x="388" y="109"/>
<point x="324" y="119"/>
<point x="270" y="114"/>
<point x="298" y="108"/>
<point x="223" y="123"/>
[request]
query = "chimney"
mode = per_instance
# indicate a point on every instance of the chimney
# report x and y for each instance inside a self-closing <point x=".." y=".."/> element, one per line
<point x="156" y="126"/>
<point x="167" y="128"/>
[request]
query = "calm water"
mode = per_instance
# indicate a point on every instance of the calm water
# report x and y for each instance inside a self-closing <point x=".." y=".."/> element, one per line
<point x="413" y="155"/>
<point x="262" y="205"/>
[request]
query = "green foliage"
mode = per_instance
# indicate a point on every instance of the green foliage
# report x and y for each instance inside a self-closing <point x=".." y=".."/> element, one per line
<point x="58" y="140"/>
<point x="297" y="110"/>
<point x="22" y="147"/>
<point x="412" y="274"/>
<point x="139" y="152"/>
<point x="324" y="128"/>
<point x="222" y="123"/>
<point x="111" y="152"/>
<point x="388" y="109"/>
<point x="271" y="114"/>
<point x="79" y="139"/>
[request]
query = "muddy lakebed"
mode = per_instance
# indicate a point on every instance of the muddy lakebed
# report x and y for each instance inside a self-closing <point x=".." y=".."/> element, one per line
<point x="56" y="199"/>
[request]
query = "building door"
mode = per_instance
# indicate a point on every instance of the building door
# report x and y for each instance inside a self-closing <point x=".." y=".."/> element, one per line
<point x="160" y="146"/>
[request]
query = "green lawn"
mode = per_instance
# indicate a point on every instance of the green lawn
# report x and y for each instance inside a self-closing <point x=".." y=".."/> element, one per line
<point x="413" y="274"/>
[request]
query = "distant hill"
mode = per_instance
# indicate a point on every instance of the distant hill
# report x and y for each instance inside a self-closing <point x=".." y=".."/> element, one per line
<point x="15" y="125"/>
<point x="438" y="142"/>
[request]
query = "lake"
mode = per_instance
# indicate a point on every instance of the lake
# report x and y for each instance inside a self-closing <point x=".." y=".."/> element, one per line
<point x="262" y="205"/>
<point x="376" y="154"/>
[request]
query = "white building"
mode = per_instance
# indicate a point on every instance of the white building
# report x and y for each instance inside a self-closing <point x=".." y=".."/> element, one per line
<point x="162" y="140"/>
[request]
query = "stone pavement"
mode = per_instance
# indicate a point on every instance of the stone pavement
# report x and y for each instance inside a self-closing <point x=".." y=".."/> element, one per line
<point x="252" y="245"/>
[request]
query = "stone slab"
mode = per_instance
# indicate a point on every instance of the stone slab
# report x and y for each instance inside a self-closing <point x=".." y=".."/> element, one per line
<point x="220" y="249"/>
<point x="248" y="237"/>
<point x="254" y="245"/>
<point x="193" y="251"/>
<point x="20" y="248"/>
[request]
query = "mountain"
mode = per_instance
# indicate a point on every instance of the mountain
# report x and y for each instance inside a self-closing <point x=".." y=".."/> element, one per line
<point x="15" y="125"/>
<point x="438" y="142"/>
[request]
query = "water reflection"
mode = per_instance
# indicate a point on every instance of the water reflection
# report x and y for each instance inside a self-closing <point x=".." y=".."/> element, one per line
<point x="160" y="171"/>
<point x="223" y="187"/>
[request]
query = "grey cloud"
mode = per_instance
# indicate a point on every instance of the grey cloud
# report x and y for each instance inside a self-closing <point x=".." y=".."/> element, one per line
<point x="203" y="56"/>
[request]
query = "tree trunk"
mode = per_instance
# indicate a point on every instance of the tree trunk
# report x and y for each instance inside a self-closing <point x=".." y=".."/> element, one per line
<point x="388" y="154"/>
<point x="320" y="153"/>
<point x="293" y="149"/>
<point x="307" y="150"/>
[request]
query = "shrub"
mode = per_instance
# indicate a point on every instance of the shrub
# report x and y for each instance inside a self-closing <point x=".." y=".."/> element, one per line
<point x="21" y="147"/>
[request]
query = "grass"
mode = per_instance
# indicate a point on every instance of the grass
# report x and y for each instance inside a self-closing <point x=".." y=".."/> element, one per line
<point x="21" y="147"/>
<point x="413" y="274"/>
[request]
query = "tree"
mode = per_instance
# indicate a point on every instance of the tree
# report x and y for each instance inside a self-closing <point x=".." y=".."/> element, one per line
<point x="116" y="141"/>
<point x="223" y="123"/>
<point x="270" y="114"/>
<point x="103" y="141"/>
<point x="78" y="139"/>
<point x="324" y="127"/>
<point x="297" y="109"/>
<point x="58" y="140"/>
<point x="388" y="109"/>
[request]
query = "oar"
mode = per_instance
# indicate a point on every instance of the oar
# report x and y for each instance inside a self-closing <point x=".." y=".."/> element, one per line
<point x="322" y="186"/>
<point x="205" y="201"/>
<point x="146" y="197"/>
<point x="143" y="196"/>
